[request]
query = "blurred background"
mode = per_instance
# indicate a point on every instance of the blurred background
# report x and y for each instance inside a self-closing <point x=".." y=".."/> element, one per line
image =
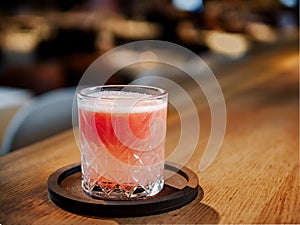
<point x="47" y="45"/>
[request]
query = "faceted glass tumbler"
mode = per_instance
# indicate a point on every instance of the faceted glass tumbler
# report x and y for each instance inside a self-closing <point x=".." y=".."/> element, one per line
<point x="122" y="140"/>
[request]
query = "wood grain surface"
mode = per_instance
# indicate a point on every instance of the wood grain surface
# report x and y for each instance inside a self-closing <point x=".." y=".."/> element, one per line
<point x="254" y="178"/>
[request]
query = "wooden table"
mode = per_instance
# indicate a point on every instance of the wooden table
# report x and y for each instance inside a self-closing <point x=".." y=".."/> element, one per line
<point x="254" y="178"/>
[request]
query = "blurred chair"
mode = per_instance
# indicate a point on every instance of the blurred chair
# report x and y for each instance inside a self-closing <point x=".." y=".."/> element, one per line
<point x="44" y="116"/>
<point x="12" y="99"/>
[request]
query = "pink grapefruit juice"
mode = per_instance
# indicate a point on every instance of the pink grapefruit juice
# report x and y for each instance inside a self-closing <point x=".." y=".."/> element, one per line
<point x="122" y="142"/>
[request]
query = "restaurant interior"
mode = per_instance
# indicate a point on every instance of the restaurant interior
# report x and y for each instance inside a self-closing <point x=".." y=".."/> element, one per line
<point x="226" y="143"/>
<point x="46" y="46"/>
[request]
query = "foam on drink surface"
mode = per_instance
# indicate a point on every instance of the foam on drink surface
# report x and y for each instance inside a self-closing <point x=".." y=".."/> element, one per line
<point x="122" y="102"/>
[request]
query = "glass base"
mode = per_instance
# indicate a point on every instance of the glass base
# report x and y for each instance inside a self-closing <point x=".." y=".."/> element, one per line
<point x="114" y="191"/>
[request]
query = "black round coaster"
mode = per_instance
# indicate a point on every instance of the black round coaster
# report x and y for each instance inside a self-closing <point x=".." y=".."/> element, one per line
<point x="64" y="188"/>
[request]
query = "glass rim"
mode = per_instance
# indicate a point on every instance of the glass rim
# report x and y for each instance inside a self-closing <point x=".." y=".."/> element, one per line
<point x="161" y="93"/>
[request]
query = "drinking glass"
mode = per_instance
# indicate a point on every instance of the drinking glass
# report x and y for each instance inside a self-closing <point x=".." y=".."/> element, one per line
<point x="122" y="137"/>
